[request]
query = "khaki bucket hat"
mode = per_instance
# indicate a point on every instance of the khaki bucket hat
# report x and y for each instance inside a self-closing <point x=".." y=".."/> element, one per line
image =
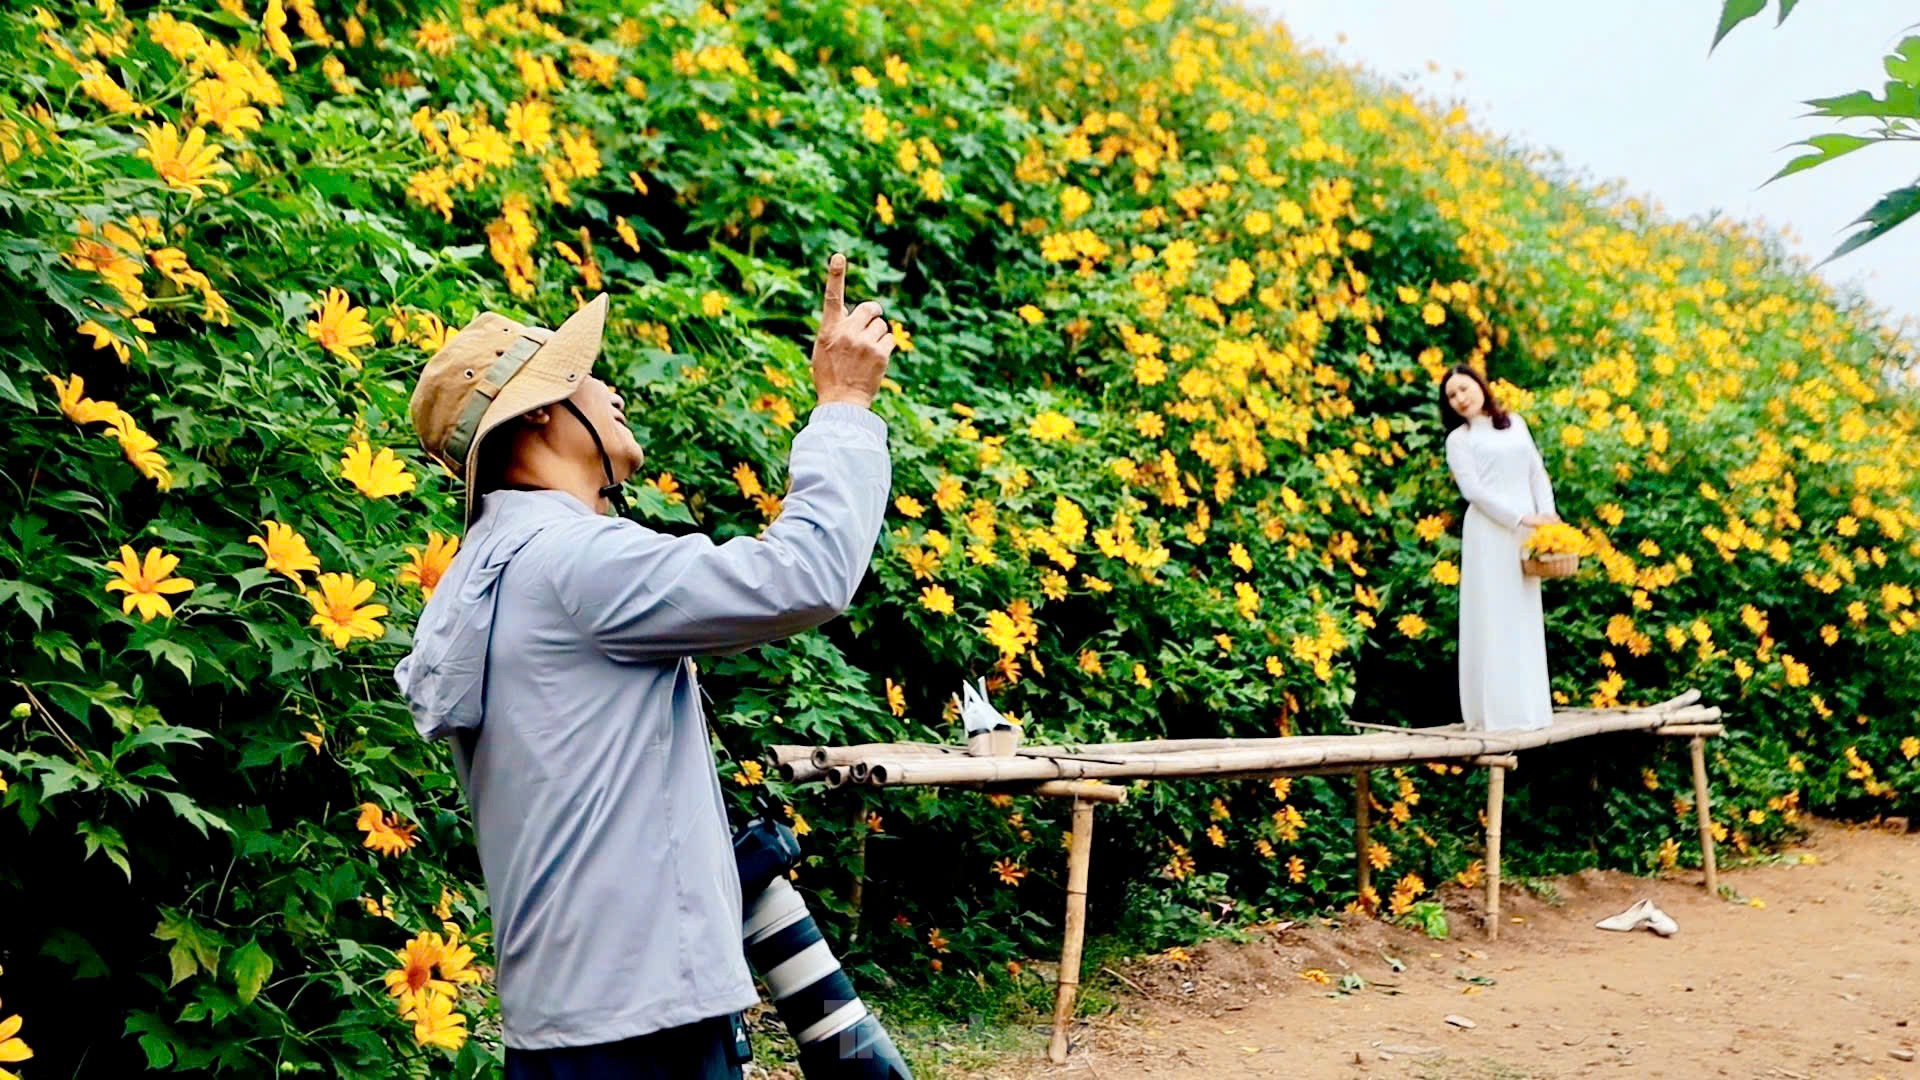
<point x="493" y="370"/>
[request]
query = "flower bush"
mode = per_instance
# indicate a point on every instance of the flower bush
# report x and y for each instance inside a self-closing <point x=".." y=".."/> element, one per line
<point x="1171" y="297"/>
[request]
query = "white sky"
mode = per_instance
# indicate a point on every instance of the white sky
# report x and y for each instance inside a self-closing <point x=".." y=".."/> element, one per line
<point x="1625" y="89"/>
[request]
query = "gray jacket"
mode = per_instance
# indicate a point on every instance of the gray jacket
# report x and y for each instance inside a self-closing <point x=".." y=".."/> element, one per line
<point x="602" y="832"/>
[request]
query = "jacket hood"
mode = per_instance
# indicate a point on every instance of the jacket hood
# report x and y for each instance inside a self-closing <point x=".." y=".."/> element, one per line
<point x="444" y="677"/>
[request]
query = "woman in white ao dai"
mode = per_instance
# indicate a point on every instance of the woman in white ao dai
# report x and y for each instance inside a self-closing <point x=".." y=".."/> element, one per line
<point x="1503" y="634"/>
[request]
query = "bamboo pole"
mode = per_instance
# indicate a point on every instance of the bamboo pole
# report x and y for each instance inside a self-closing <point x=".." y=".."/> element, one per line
<point x="1506" y="761"/>
<point x="1447" y="732"/>
<point x="1091" y="790"/>
<point x="1697" y="748"/>
<point x="1068" y="987"/>
<point x="1362" y="841"/>
<point x="1268" y="756"/>
<point x="857" y="890"/>
<point x="1496" y="800"/>
<point x="823" y="756"/>
<point x="800" y="772"/>
<point x="1322" y="755"/>
<point x="1691" y="729"/>
<point x="784" y="753"/>
<point x="793" y="760"/>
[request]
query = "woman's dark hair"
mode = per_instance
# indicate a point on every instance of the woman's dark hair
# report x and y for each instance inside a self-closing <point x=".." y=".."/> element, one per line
<point x="1450" y="419"/>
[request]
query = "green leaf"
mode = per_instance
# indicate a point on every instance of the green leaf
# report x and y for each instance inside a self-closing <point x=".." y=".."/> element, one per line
<point x="194" y="948"/>
<point x="653" y="503"/>
<point x="33" y="599"/>
<point x="173" y="653"/>
<point x="251" y="967"/>
<point x="1901" y="101"/>
<point x="1893" y="208"/>
<point x="12" y="393"/>
<point x="59" y="776"/>
<point x="190" y="810"/>
<point x="253" y="577"/>
<point x="1786" y="9"/>
<point x="1826" y="148"/>
<point x="81" y="958"/>
<point x="58" y="645"/>
<point x="1732" y="14"/>
<point x="106" y="838"/>
<point x="158" y="735"/>
<point x="1904" y="63"/>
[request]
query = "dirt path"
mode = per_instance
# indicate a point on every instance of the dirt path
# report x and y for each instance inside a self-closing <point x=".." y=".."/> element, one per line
<point x="1823" y="981"/>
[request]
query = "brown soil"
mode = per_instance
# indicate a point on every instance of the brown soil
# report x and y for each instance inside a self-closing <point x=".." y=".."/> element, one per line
<point x="1823" y="981"/>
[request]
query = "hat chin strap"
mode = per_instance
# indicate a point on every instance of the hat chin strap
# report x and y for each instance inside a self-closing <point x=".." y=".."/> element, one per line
<point x="612" y="492"/>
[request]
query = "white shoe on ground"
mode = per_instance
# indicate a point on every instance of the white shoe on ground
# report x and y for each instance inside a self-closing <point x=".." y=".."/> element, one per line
<point x="1631" y="919"/>
<point x="1660" y="922"/>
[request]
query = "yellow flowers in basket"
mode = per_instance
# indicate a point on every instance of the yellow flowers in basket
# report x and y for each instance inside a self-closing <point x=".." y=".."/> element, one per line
<point x="1554" y="550"/>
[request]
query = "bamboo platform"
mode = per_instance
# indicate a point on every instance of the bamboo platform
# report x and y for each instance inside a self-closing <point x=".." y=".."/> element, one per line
<point x="1082" y="773"/>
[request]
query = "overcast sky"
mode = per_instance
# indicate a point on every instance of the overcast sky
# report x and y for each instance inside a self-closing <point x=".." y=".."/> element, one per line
<point x="1625" y="89"/>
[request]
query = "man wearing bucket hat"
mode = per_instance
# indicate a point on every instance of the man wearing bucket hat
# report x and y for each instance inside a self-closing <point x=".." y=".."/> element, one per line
<point x="602" y="831"/>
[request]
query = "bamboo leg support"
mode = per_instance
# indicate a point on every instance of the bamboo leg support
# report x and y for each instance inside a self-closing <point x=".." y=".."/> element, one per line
<point x="1698" y="748"/>
<point x="1076" y="927"/>
<point x="857" y="888"/>
<point x="1496" y="800"/>
<point x="1362" y="840"/>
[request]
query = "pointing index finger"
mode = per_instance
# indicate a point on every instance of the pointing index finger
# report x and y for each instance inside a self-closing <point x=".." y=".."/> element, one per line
<point x="833" y="305"/>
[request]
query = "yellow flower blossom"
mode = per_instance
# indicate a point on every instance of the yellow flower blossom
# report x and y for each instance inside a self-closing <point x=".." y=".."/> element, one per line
<point x="76" y="405"/>
<point x="140" y="448"/>
<point x="286" y="550"/>
<point x="147" y="583"/>
<point x="12" y="1047"/>
<point x="386" y="835"/>
<point x="377" y="475"/>
<point x="426" y="565"/>
<point x="341" y="611"/>
<point x="339" y="326"/>
<point x="188" y="163"/>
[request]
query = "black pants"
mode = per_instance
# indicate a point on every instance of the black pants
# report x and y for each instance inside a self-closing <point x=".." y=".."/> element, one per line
<point x="702" y="1050"/>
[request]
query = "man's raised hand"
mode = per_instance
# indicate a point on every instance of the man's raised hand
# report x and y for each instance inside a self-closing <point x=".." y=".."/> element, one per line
<point x="850" y="353"/>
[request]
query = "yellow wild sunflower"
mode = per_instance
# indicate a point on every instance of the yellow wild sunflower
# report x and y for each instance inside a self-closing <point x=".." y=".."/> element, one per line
<point x="12" y="1048"/>
<point x="341" y="611"/>
<point x="274" y="21"/>
<point x="385" y="834"/>
<point x="377" y="475"/>
<point x="142" y="450"/>
<point x="413" y="982"/>
<point x="147" y="583"/>
<point x="425" y="566"/>
<point x="78" y="407"/>
<point x="436" y="1023"/>
<point x="937" y="600"/>
<point x="187" y="162"/>
<point x="456" y="960"/>
<point x="286" y="550"/>
<point x="340" y="327"/>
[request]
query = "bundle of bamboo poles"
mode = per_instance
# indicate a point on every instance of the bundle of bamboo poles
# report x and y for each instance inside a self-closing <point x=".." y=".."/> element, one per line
<point x="900" y="764"/>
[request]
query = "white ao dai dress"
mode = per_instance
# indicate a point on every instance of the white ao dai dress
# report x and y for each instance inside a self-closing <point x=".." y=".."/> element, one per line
<point x="1503" y="634"/>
